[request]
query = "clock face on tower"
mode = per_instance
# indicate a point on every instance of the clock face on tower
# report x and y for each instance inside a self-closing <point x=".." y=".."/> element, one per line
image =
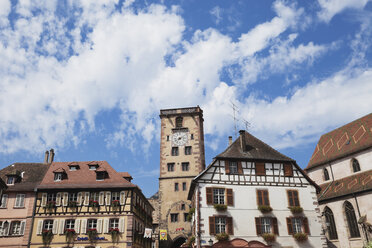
<point x="179" y="138"/>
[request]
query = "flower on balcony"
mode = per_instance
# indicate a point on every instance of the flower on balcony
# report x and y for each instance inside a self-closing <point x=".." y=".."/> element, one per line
<point x="92" y="234"/>
<point x="222" y="237"/>
<point x="70" y="235"/>
<point x="268" y="237"/>
<point x="72" y="204"/>
<point x="93" y="203"/>
<point x="220" y="207"/>
<point x="300" y="237"/>
<point x="50" y="204"/>
<point x="47" y="236"/>
<point x="296" y="209"/>
<point x="115" y="203"/>
<point x="265" y="209"/>
<point x="114" y="234"/>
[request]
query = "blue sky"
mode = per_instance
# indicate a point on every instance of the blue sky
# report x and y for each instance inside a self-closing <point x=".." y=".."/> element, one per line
<point x="88" y="78"/>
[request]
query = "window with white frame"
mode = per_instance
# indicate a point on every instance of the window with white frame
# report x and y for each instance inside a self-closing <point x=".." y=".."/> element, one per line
<point x="265" y="225"/>
<point x="70" y="224"/>
<point x="51" y="197"/>
<point x="115" y="196"/>
<point x="48" y="225"/>
<point x="94" y="196"/>
<point x="92" y="224"/>
<point x="220" y="224"/>
<point x="114" y="223"/>
<point x="15" y="228"/>
<point x="296" y="225"/>
<point x="233" y="167"/>
<point x="4" y="201"/>
<point x="10" y="180"/>
<point x="20" y="201"/>
<point x="58" y="176"/>
<point x="4" y="227"/>
<point x="218" y="196"/>
<point x="72" y="197"/>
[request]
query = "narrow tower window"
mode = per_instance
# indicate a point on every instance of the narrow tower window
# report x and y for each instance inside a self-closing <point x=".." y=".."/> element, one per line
<point x="356" y="166"/>
<point x="179" y="121"/>
<point x="326" y="175"/>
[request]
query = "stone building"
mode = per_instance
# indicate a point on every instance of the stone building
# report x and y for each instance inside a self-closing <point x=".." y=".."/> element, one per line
<point x="18" y="201"/>
<point x="89" y="204"/>
<point x="342" y="166"/>
<point x="258" y="197"/>
<point x="181" y="159"/>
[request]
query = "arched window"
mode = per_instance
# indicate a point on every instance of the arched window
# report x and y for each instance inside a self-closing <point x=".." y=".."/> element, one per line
<point x="356" y="166"/>
<point x="179" y="121"/>
<point x="351" y="220"/>
<point x="330" y="223"/>
<point x="326" y="175"/>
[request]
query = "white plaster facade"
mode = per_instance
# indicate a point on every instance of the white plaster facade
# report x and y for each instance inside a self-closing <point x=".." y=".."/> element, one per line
<point x="245" y="208"/>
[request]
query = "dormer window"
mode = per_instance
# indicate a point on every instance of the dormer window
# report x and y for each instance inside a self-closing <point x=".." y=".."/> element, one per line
<point x="93" y="166"/>
<point x="10" y="180"/>
<point x="101" y="175"/>
<point x="58" y="176"/>
<point x="73" y="167"/>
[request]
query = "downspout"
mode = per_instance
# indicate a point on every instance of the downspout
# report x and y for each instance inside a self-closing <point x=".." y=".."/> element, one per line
<point x="32" y="220"/>
<point x="330" y="165"/>
<point x="197" y="217"/>
<point x="363" y="228"/>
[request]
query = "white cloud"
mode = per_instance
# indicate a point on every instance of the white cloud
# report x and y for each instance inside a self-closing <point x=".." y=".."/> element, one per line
<point x="330" y="8"/>
<point x="216" y="12"/>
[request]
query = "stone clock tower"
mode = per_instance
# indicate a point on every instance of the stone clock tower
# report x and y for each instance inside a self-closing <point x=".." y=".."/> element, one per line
<point x="181" y="159"/>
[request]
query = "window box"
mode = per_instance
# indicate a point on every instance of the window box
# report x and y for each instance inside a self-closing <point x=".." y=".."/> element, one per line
<point x="296" y="209"/>
<point x="300" y="237"/>
<point x="92" y="234"/>
<point x="220" y="207"/>
<point x="93" y="203"/>
<point x="265" y="209"/>
<point x="222" y="237"/>
<point x="72" y="204"/>
<point x="50" y="205"/>
<point x="47" y="236"/>
<point x="269" y="237"/>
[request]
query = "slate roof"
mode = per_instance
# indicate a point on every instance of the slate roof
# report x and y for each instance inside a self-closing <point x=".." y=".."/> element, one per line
<point x="83" y="177"/>
<point x="33" y="173"/>
<point x="344" y="141"/>
<point x="345" y="186"/>
<point x="255" y="150"/>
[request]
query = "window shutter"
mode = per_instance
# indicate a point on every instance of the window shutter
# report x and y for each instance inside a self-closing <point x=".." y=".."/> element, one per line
<point x="23" y="225"/>
<point x="121" y="224"/>
<point x="122" y="197"/>
<point x="83" y="227"/>
<point x="80" y="198"/>
<point x="77" y="226"/>
<point x="58" y="199"/>
<point x="305" y="224"/>
<point x="240" y="168"/>
<point x="86" y="198"/>
<point x="212" y="226"/>
<point x="108" y="198"/>
<point x="289" y="226"/>
<point x="209" y="195"/>
<point x="65" y="199"/>
<point x="230" y="197"/>
<point x="44" y="199"/>
<point x="266" y="197"/>
<point x="39" y="227"/>
<point x="296" y="200"/>
<point x="275" y="226"/>
<point x="290" y="198"/>
<point x="55" y="227"/>
<point x="259" y="198"/>
<point x="258" y="226"/>
<point x="230" y="227"/>
<point x="4" y="201"/>
<point x="101" y="198"/>
<point x="227" y="168"/>
<point x="99" y="226"/>
<point x="106" y="225"/>
<point x="288" y="170"/>
<point x="61" y="226"/>
<point x="260" y="169"/>
<point x="16" y="203"/>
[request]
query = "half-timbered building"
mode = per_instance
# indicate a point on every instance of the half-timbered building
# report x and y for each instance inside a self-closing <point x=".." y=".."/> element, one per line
<point x="258" y="197"/>
<point x="89" y="204"/>
<point x="342" y="166"/>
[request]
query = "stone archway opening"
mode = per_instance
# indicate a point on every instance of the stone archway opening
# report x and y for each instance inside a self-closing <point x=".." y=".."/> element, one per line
<point x="178" y="242"/>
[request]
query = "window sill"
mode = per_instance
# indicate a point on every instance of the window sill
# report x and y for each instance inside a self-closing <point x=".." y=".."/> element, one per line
<point x="19" y="207"/>
<point x="355" y="239"/>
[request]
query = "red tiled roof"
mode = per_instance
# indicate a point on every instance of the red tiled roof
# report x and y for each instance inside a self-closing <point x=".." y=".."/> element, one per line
<point x="84" y="178"/>
<point x="353" y="184"/>
<point x="60" y="170"/>
<point x="346" y="140"/>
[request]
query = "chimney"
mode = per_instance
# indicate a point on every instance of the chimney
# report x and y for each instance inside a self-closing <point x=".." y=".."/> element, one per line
<point x="51" y="155"/>
<point x="242" y="140"/>
<point x="46" y="157"/>
<point x="230" y="140"/>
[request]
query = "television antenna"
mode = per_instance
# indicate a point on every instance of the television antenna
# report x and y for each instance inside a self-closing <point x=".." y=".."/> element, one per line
<point x="235" y="111"/>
